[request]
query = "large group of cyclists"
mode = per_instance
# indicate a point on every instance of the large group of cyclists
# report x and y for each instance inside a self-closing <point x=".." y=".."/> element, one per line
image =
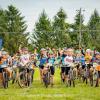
<point x="74" y="64"/>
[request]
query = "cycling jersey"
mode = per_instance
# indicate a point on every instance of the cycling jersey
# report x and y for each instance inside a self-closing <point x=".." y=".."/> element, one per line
<point x="88" y="58"/>
<point x="82" y="60"/>
<point x="24" y="59"/>
<point x="98" y="68"/>
<point x="77" y="59"/>
<point x="43" y="60"/>
<point x="51" y="60"/>
<point x="68" y="61"/>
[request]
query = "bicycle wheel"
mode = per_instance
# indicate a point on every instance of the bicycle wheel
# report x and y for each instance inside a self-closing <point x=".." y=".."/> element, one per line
<point x="45" y="80"/>
<point x="13" y="77"/>
<point x="5" y="79"/>
<point x="29" y="79"/>
<point x="22" y="80"/>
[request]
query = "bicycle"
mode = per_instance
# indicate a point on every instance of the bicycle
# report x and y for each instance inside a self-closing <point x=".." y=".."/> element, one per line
<point x="71" y="77"/>
<point x="5" y="77"/>
<point x="46" y="76"/>
<point x="24" y="76"/>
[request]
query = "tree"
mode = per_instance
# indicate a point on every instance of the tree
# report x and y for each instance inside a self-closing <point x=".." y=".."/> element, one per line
<point x="93" y="23"/>
<point x="42" y="32"/>
<point x="60" y="35"/>
<point x="94" y="27"/>
<point x="14" y="28"/>
<point x="77" y="27"/>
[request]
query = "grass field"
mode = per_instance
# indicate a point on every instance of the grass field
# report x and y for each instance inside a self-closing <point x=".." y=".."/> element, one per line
<point x="59" y="92"/>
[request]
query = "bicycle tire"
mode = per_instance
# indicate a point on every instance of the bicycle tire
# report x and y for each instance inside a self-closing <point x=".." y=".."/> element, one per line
<point x="5" y="79"/>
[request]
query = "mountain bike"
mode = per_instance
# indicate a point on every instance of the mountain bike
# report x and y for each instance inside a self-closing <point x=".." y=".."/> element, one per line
<point x="46" y="76"/>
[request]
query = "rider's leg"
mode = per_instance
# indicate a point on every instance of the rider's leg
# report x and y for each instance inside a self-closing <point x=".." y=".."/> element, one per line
<point x="98" y="77"/>
<point x="32" y="74"/>
<point x="62" y="73"/>
<point x="75" y="73"/>
<point x="66" y="74"/>
<point x="41" y="72"/>
<point x="1" y="77"/>
<point x="9" y="72"/>
<point x="52" y="70"/>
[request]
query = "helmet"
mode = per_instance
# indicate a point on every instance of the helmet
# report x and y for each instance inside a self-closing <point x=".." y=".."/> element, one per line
<point x="25" y="49"/>
<point x="88" y="50"/>
<point x="43" y="49"/>
<point x="4" y="52"/>
<point x="97" y="53"/>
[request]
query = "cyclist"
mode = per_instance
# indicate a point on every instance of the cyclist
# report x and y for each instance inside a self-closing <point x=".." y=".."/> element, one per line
<point x="4" y="63"/>
<point x="88" y="58"/>
<point x="77" y="59"/>
<point x="51" y="60"/>
<point x="25" y="57"/>
<point x="68" y="62"/>
<point x="43" y="61"/>
<point x="33" y="64"/>
<point x="98" y="67"/>
<point x="63" y="55"/>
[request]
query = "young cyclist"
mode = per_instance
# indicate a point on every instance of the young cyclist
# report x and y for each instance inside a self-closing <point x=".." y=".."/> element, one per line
<point x="51" y="60"/>
<point x="43" y="61"/>
<point x="4" y="64"/>
<point x="98" y="67"/>
<point x="88" y="58"/>
<point x="83" y="61"/>
<point x="77" y="59"/>
<point x="68" y="62"/>
<point x="63" y="55"/>
<point x="25" y="57"/>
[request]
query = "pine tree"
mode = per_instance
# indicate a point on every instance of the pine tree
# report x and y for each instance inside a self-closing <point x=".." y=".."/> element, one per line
<point x="60" y="35"/>
<point x="14" y="28"/>
<point x="94" y="27"/>
<point x="42" y="32"/>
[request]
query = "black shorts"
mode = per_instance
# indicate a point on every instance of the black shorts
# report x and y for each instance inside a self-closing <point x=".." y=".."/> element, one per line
<point x="1" y="70"/>
<point x="52" y="70"/>
<point x="83" y="66"/>
<point x="67" y="70"/>
<point x="62" y="69"/>
<point x="77" y="66"/>
<point x="41" y="66"/>
<point x="88" y="66"/>
<point x="98" y="74"/>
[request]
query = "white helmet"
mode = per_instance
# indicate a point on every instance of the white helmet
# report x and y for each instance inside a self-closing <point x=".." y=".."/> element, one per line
<point x="88" y="50"/>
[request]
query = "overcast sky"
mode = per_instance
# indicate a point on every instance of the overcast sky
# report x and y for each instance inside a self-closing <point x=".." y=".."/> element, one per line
<point x="31" y="9"/>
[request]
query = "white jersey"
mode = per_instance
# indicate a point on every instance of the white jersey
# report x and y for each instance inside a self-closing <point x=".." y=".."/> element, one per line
<point x="24" y="59"/>
<point x="68" y="60"/>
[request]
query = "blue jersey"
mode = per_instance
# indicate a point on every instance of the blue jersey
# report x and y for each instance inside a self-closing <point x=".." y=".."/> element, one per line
<point x="43" y="60"/>
<point x="14" y="62"/>
<point x="77" y="59"/>
<point x="83" y="60"/>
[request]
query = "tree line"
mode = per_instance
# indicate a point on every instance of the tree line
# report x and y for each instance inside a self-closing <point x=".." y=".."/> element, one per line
<point x="57" y="33"/>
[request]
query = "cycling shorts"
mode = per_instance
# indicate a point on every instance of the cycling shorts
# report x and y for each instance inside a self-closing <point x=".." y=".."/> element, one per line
<point x="52" y="70"/>
<point x="41" y="66"/>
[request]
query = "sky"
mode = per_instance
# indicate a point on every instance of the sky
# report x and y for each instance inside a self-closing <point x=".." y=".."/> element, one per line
<point x="31" y="9"/>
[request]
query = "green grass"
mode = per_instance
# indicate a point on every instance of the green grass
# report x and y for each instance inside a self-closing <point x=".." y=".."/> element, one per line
<point x="58" y="92"/>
